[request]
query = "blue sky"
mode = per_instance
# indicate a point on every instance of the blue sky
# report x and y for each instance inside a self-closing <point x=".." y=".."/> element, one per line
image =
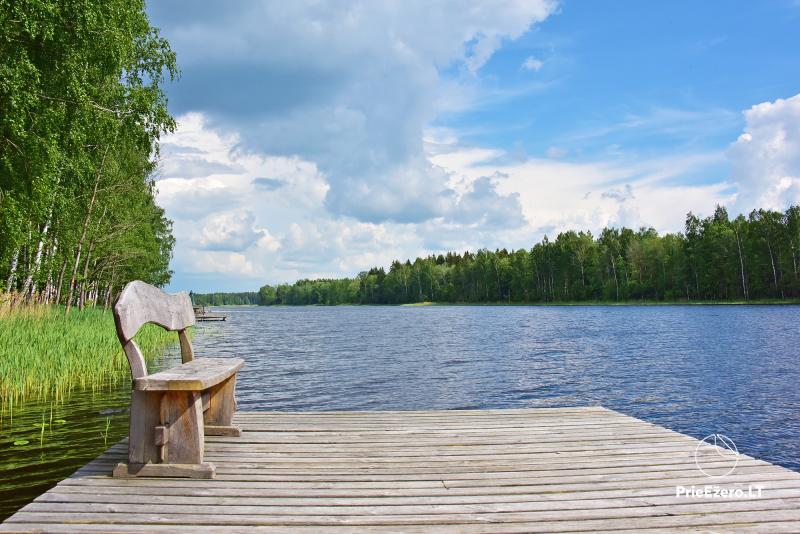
<point x="322" y="138"/>
<point x="605" y="63"/>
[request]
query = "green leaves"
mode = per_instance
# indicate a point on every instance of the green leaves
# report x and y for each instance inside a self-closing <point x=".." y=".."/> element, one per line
<point x="82" y="108"/>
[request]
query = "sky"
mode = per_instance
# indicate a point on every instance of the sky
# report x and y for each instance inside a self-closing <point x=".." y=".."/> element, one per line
<point x="321" y="138"/>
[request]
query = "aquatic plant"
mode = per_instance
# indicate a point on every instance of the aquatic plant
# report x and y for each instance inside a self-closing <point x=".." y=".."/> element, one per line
<point x="45" y="354"/>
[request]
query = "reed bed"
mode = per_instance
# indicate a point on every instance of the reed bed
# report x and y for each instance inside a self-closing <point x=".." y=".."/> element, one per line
<point x="45" y="354"/>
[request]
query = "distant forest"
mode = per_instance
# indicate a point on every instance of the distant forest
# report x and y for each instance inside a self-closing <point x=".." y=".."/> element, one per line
<point x="715" y="259"/>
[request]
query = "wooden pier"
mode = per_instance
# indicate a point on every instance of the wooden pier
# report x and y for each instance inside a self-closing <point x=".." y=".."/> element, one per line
<point x="211" y="317"/>
<point x="538" y="470"/>
<point x="203" y="313"/>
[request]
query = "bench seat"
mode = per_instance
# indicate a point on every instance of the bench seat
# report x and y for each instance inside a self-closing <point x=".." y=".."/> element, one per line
<point x="196" y="375"/>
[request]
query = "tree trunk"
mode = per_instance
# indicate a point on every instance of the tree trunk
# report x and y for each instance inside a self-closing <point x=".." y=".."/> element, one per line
<point x="82" y="298"/>
<point x="741" y="265"/>
<point x="772" y="260"/>
<point x="84" y="230"/>
<point x="614" y="268"/>
<point x="12" y="272"/>
<point x="51" y="252"/>
<point x="37" y="259"/>
<point x="61" y="281"/>
<point x="107" y="304"/>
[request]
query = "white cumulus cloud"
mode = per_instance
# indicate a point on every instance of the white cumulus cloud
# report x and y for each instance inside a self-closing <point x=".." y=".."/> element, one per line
<point x="347" y="86"/>
<point x="766" y="157"/>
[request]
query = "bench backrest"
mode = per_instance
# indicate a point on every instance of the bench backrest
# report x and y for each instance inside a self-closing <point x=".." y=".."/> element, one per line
<point x="140" y="303"/>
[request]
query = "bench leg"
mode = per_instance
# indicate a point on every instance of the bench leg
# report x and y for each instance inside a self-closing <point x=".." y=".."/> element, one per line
<point x="221" y="407"/>
<point x="145" y="416"/>
<point x="175" y="451"/>
<point x="182" y="412"/>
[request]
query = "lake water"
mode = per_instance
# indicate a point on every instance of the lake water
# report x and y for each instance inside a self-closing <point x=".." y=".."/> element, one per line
<point x="700" y="370"/>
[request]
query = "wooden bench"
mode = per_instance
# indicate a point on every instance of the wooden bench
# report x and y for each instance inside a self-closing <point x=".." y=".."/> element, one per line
<point x="173" y="410"/>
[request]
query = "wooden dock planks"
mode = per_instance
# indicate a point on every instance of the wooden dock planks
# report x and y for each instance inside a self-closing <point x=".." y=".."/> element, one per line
<point x="531" y="470"/>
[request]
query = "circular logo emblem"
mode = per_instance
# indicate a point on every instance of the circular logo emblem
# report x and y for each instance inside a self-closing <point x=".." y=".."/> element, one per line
<point x="716" y="455"/>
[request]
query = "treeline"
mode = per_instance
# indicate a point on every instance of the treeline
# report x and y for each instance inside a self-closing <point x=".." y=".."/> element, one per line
<point x="715" y="259"/>
<point x="226" y="299"/>
<point x="81" y="111"/>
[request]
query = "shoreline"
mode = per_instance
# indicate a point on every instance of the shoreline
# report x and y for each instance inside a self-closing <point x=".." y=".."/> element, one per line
<point x="588" y="303"/>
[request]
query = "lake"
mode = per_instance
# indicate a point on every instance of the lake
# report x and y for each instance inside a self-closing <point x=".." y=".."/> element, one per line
<point x="700" y="370"/>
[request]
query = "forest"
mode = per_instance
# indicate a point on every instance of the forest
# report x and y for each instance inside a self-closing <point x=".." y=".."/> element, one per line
<point x="244" y="298"/>
<point x="715" y="259"/>
<point x="82" y="107"/>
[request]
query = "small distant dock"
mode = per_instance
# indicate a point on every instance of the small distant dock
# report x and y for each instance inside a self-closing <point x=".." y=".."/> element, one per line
<point x="530" y="470"/>
<point x="202" y="313"/>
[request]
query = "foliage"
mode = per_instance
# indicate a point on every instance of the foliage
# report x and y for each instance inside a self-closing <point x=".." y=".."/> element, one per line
<point x="44" y="354"/>
<point x="81" y="111"/>
<point x="226" y="299"/>
<point x="716" y="259"/>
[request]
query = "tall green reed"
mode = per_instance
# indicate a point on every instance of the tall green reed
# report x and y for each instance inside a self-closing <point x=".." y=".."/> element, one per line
<point x="45" y="355"/>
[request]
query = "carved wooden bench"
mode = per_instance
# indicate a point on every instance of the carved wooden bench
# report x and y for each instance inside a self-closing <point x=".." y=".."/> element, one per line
<point x="173" y="410"/>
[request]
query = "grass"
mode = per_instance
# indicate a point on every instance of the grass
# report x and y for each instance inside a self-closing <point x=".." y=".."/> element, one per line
<point x="45" y="355"/>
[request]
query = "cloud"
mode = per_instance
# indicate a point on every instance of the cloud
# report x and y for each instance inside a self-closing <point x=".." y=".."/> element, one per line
<point x="532" y="64"/>
<point x="766" y="157"/>
<point x="269" y="221"/>
<point x="483" y="207"/>
<point x="620" y="194"/>
<point x="268" y="184"/>
<point x="269" y="216"/>
<point x="349" y="87"/>
<point x="231" y="231"/>
<point x="557" y="195"/>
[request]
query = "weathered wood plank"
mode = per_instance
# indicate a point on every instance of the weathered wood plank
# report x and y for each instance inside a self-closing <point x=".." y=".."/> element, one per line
<point x="519" y="528"/>
<point x="145" y="416"/>
<point x="482" y="504"/>
<point x="506" y="413"/>
<point x="195" y="375"/>
<point x="561" y="470"/>
<point x="221" y="408"/>
<point x="139" y="303"/>
<point x="520" y="511"/>
<point x="510" y="472"/>
<point x="746" y="511"/>
<point x="522" y="493"/>
<point x="182" y="412"/>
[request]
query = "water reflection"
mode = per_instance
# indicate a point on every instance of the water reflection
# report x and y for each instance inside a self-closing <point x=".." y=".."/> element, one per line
<point x="42" y="443"/>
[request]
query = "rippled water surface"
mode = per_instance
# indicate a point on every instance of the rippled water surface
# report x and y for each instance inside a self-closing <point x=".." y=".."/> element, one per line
<point x="695" y="369"/>
<point x="700" y="370"/>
